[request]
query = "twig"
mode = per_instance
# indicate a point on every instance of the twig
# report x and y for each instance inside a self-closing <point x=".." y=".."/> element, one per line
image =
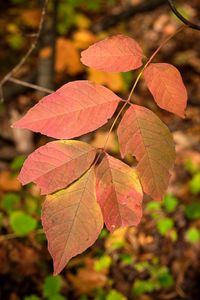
<point x="181" y="17"/>
<point x="28" y="53"/>
<point x="111" y="20"/>
<point x="11" y="236"/>
<point x="30" y="85"/>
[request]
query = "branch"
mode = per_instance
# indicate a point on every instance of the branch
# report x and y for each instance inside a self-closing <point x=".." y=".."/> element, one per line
<point x="112" y="20"/>
<point x="181" y="17"/>
<point x="28" y="53"/>
<point x="30" y="85"/>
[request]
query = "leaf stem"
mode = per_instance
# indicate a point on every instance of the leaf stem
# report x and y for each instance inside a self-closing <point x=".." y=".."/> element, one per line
<point x="136" y="82"/>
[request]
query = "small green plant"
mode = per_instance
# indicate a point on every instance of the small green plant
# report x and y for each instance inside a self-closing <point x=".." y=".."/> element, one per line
<point x="104" y="262"/>
<point x="22" y="223"/>
<point x="159" y="278"/>
<point x="10" y="201"/>
<point x="192" y="211"/>
<point x="194" y="184"/>
<point x="193" y="235"/>
<point x="164" y="225"/>
<point x="51" y="288"/>
<point x="170" y="203"/>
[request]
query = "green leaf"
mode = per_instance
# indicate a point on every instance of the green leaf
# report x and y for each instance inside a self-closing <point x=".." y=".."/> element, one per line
<point x="194" y="184"/>
<point x="104" y="262"/>
<point x="192" y="210"/>
<point x="191" y="167"/>
<point x="170" y="203"/>
<point x="164" y="278"/>
<point x="22" y="223"/>
<point x="164" y="225"/>
<point x="193" y="235"/>
<point x="17" y="163"/>
<point x="114" y="295"/>
<point x="153" y="206"/>
<point x="1" y="220"/>
<point x="32" y="297"/>
<point x="126" y="259"/>
<point x="9" y="202"/>
<point x="104" y="233"/>
<point x="142" y="286"/>
<point x="52" y="286"/>
<point x="57" y="297"/>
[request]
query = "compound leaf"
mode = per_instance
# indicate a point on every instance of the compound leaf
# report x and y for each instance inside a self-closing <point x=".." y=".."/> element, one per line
<point x="166" y="85"/>
<point x="72" y="220"/>
<point x="142" y="134"/>
<point x="57" y="164"/>
<point x="118" y="53"/>
<point x="75" y="109"/>
<point x="119" y="193"/>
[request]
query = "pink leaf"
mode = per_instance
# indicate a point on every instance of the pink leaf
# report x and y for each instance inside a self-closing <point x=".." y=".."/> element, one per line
<point x="166" y="85"/>
<point x="57" y="164"/>
<point x="75" y="109"/>
<point x="142" y="134"/>
<point x="72" y="220"/>
<point x="118" y="53"/>
<point x="119" y="193"/>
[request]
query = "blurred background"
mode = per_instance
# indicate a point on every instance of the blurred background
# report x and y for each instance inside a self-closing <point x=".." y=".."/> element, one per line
<point x="160" y="258"/>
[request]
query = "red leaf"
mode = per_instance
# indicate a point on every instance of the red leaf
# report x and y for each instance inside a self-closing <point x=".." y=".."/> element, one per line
<point x="119" y="193"/>
<point x="57" y="164"/>
<point x="118" y="53"/>
<point x="142" y="134"/>
<point x="166" y="85"/>
<point x="72" y="220"/>
<point x="76" y="108"/>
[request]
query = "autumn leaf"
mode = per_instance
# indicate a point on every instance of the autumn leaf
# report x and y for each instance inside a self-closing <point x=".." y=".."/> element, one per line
<point x="114" y="81"/>
<point x="67" y="57"/>
<point x="75" y="109"/>
<point x="57" y="164"/>
<point x="166" y="85"/>
<point x="142" y="134"/>
<point x="118" y="53"/>
<point x="72" y="220"/>
<point x="119" y="193"/>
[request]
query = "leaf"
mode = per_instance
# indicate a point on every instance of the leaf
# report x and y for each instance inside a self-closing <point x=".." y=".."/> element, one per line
<point x="118" y="53"/>
<point x="67" y="57"/>
<point x="76" y="108"/>
<point x="57" y="164"/>
<point x="119" y="193"/>
<point x="51" y="286"/>
<point x="142" y="134"/>
<point x="114" y="81"/>
<point x="22" y="223"/>
<point x="166" y="85"/>
<point x="72" y="220"/>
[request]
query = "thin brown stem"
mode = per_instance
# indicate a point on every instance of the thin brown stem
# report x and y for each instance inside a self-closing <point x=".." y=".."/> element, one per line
<point x="28" y="53"/>
<point x="30" y="85"/>
<point x="11" y="236"/>
<point x="137" y="80"/>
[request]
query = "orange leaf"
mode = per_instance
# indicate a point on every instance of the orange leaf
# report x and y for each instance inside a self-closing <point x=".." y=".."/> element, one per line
<point x="166" y="85"/>
<point x="57" y="164"/>
<point x="119" y="193"/>
<point x="118" y="53"/>
<point x="67" y="57"/>
<point x="142" y="134"/>
<point x="72" y="220"/>
<point x="76" y="108"/>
